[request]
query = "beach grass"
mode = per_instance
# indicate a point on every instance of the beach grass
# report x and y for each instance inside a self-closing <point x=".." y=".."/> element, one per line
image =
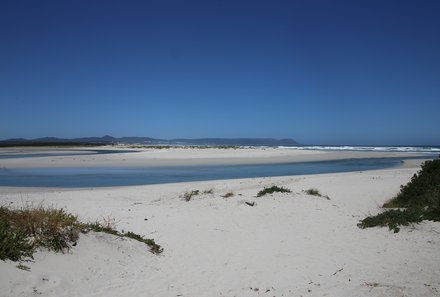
<point x="315" y="192"/>
<point x="24" y="230"/>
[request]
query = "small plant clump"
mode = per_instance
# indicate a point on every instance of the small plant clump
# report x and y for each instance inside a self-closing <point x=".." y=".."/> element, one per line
<point x="209" y="191"/>
<point x="272" y="190"/>
<point x="188" y="195"/>
<point x="23" y="231"/>
<point x="420" y="200"/>
<point x="315" y="192"/>
<point x="227" y="195"/>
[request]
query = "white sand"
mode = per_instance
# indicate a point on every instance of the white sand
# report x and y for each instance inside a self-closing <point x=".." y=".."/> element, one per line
<point x="286" y="245"/>
<point x="187" y="156"/>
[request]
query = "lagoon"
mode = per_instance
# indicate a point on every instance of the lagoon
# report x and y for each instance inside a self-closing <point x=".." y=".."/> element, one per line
<point x="87" y="177"/>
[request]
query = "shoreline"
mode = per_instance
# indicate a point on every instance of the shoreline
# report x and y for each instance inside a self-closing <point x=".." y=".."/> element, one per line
<point x="194" y="161"/>
<point x="197" y="157"/>
<point x="406" y="164"/>
<point x="289" y="244"/>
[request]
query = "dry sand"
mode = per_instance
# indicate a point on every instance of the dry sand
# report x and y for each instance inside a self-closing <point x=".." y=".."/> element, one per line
<point x="289" y="244"/>
<point x="185" y="156"/>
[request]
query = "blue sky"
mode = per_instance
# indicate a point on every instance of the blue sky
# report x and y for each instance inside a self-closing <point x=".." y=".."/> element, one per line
<point x="321" y="72"/>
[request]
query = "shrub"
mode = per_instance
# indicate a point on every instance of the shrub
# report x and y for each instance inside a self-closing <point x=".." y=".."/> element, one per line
<point x="420" y="198"/>
<point x="50" y="228"/>
<point x="22" y="231"/>
<point x="422" y="191"/>
<point x="393" y="219"/>
<point x="271" y="190"/>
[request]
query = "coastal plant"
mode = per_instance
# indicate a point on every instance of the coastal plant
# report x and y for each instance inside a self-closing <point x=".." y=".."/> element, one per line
<point x="315" y="192"/>
<point x="98" y="227"/>
<point x="154" y="247"/>
<point x="423" y="190"/>
<point x="417" y="201"/>
<point x="24" y="230"/>
<point x="188" y="195"/>
<point x="227" y="195"/>
<point x="14" y="244"/>
<point x="209" y="191"/>
<point x="47" y="227"/>
<point x="393" y="218"/>
<point x="272" y="190"/>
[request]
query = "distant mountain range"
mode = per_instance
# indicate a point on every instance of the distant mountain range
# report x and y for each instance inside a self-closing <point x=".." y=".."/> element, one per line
<point x="108" y="140"/>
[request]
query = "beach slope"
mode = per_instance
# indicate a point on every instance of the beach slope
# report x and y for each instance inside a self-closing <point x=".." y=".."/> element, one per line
<point x="287" y="244"/>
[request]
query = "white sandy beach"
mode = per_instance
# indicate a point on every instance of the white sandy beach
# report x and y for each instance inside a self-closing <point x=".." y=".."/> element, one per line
<point x="289" y="244"/>
<point x="181" y="156"/>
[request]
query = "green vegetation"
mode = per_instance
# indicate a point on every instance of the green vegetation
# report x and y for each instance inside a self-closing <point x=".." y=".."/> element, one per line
<point x="271" y="190"/>
<point x="315" y="192"/>
<point x="23" y="231"/>
<point x="14" y="244"/>
<point x="393" y="218"/>
<point x="154" y="247"/>
<point x="420" y="199"/>
<point x="106" y="228"/>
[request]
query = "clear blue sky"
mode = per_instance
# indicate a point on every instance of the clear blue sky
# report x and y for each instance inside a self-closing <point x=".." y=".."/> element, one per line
<point x="321" y="72"/>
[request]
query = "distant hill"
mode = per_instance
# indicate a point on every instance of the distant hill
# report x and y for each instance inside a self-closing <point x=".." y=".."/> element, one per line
<point x="106" y="140"/>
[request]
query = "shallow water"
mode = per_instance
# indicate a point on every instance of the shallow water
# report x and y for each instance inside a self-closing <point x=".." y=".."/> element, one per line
<point x="107" y="177"/>
<point x="57" y="153"/>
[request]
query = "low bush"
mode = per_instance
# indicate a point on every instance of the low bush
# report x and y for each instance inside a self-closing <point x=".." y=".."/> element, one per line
<point x="272" y="190"/>
<point x="51" y="228"/>
<point x="422" y="191"/>
<point x="420" y="199"/>
<point x="393" y="218"/>
<point x="23" y="231"/>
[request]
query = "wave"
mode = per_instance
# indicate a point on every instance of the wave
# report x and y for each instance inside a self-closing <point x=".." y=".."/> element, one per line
<point x="403" y="149"/>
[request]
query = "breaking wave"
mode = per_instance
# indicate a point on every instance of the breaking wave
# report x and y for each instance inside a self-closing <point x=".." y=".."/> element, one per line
<point x="404" y="149"/>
